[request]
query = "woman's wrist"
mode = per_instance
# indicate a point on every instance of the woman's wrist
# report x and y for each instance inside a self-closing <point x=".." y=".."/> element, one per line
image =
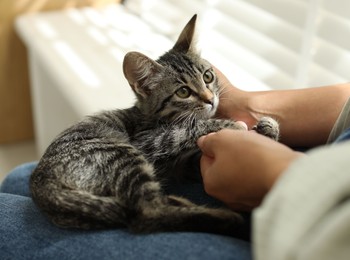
<point x="238" y="105"/>
<point x="279" y="168"/>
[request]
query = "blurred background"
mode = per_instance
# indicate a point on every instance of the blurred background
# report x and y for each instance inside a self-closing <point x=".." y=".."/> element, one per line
<point x="61" y="59"/>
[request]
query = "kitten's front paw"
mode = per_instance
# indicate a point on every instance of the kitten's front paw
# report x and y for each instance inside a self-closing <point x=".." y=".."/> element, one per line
<point x="269" y="127"/>
<point x="219" y="124"/>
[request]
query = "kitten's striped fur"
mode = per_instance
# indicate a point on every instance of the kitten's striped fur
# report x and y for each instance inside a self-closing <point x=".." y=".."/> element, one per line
<point x="106" y="170"/>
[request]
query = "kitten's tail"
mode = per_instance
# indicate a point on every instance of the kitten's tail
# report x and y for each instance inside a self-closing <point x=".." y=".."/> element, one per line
<point x="80" y="209"/>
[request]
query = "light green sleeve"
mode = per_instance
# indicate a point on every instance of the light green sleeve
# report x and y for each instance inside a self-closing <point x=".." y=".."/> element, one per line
<point x="306" y="215"/>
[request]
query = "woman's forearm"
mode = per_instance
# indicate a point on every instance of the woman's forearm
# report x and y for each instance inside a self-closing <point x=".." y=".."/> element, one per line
<point x="306" y="116"/>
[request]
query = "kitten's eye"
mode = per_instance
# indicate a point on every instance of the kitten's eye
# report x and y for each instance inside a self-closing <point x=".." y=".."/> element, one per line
<point x="183" y="92"/>
<point x="208" y="77"/>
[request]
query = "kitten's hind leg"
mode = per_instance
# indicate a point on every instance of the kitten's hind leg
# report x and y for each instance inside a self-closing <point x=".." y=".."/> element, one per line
<point x="149" y="210"/>
<point x="180" y="215"/>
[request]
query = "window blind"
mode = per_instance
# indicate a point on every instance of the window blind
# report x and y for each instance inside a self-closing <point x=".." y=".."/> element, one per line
<point x="263" y="44"/>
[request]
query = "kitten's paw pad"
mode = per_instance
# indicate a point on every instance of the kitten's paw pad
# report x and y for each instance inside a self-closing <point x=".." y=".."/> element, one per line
<point x="269" y="127"/>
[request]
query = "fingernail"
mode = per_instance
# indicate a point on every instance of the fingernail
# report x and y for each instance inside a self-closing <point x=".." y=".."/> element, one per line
<point x="200" y="141"/>
<point x="243" y="124"/>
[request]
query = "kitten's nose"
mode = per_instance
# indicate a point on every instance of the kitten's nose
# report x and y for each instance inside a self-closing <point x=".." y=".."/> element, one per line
<point x="209" y="101"/>
<point x="208" y="97"/>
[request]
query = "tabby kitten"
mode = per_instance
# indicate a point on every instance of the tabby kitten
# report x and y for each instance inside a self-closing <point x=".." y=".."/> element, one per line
<point x="106" y="170"/>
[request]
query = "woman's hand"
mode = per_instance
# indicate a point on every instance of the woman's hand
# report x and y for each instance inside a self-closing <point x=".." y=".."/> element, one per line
<point x="240" y="167"/>
<point x="234" y="102"/>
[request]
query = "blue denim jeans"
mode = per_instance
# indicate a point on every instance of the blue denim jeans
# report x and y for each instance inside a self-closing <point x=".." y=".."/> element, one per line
<point x="26" y="234"/>
<point x="345" y="136"/>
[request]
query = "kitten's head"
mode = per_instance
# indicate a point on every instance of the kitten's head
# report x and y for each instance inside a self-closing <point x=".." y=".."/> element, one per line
<point x="179" y="85"/>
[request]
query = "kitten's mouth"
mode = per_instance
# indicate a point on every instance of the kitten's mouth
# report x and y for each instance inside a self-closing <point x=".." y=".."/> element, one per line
<point x="212" y="108"/>
<point x="209" y="111"/>
<point x="212" y="111"/>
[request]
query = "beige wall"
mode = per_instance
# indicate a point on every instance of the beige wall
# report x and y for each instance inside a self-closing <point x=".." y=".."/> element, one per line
<point x="15" y="105"/>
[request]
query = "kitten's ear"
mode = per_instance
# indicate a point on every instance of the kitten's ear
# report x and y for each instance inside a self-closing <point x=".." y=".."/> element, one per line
<point x="138" y="69"/>
<point x="185" y="42"/>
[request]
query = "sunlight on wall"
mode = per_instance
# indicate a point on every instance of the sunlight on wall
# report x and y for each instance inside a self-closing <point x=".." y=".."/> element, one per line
<point x="84" y="72"/>
<point x="46" y="29"/>
<point x="114" y="30"/>
<point x="69" y="55"/>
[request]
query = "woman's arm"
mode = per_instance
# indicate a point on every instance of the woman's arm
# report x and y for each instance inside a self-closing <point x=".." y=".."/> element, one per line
<point x="306" y="116"/>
